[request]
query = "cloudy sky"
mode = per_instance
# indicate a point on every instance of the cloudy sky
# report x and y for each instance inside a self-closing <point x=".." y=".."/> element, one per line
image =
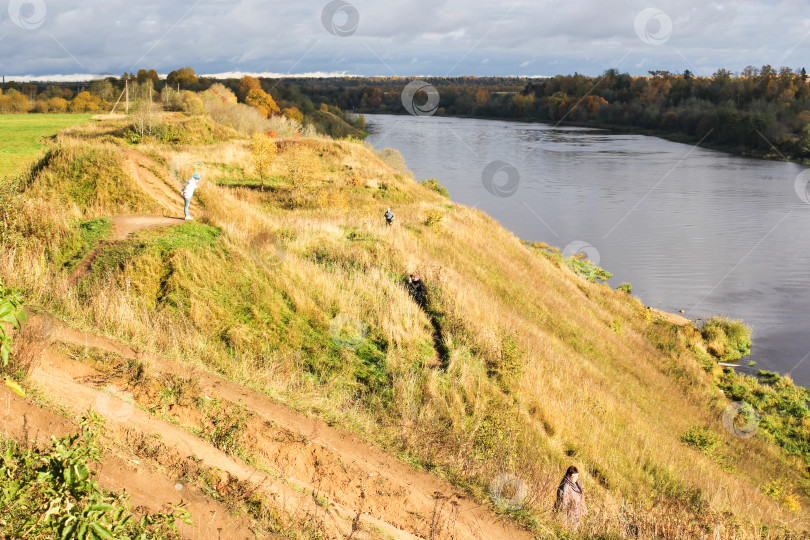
<point x="383" y="37"/>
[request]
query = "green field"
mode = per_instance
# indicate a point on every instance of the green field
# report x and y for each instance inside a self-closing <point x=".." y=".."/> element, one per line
<point x="21" y="133"/>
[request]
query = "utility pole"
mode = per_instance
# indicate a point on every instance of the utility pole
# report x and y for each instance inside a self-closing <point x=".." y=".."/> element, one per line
<point x="126" y="89"/>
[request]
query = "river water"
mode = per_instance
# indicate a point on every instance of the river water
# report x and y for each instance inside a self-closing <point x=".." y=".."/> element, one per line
<point x="689" y="228"/>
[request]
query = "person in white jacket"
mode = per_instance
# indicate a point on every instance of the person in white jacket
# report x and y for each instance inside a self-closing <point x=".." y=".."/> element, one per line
<point x="188" y="192"/>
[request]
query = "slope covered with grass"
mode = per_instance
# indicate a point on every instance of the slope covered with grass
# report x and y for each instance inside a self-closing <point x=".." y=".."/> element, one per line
<point x="293" y="286"/>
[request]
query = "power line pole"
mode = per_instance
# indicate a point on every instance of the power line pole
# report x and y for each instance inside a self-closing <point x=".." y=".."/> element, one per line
<point x="126" y="89"/>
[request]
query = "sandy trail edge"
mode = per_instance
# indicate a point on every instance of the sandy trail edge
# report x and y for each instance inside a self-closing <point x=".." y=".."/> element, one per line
<point x="418" y="488"/>
<point x="21" y="420"/>
<point x="54" y="377"/>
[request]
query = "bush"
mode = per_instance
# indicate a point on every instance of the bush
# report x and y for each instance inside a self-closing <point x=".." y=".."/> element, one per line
<point x="50" y="493"/>
<point x="780" y="404"/>
<point x="11" y="312"/>
<point x="432" y="183"/>
<point x="726" y="339"/>
<point x="14" y="102"/>
<point x="183" y="101"/>
<point x="585" y="268"/>
<point x="57" y="105"/>
<point x="293" y="114"/>
<point x="625" y="287"/>
<point x="192" y="105"/>
<point x="86" y="102"/>
<point x="433" y="218"/>
<point x="704" y="439"/>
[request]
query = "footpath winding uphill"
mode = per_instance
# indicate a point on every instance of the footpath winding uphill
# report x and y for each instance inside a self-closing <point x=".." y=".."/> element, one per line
<point x="310" y="470"/>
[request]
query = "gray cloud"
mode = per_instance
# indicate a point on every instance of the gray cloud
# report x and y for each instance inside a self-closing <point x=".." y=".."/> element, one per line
<point x="421" y="37"/>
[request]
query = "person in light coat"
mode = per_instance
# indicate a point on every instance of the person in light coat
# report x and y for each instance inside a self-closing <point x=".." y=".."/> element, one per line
<point x="188" y="192"/>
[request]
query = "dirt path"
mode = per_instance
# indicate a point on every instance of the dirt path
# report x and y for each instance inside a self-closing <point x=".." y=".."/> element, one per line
<point x="122" y="226"/>
<point x="152" y="178"/>
<point x="149" y="177"/>
<point x="22" y="420"/>
<point x="305" y="454"/>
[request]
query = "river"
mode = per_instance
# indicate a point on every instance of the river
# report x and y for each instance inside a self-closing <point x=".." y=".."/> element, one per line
<point x="689" y="228"/>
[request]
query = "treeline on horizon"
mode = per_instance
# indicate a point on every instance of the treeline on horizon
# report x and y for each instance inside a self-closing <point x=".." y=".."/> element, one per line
<point x="176" y="92"/>
<point x="760" y="111"/>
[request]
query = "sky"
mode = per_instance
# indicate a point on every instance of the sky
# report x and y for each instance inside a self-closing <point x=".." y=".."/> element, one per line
<point x="65" y="39"/>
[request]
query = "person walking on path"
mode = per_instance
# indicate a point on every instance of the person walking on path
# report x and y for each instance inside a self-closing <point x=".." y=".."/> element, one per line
<point x="418" y="289"/>
<point x="389" y="217"/>
<point x="188" y="192"/>
<point x="570" y="503"/>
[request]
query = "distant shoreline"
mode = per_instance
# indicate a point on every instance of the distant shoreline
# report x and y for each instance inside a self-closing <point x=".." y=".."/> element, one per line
<point x="619" y="129"/>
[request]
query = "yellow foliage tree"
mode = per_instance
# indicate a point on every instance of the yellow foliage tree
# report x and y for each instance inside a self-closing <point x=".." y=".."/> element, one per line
<point x="85" y="102"/>
<point x="294" y="114"/>
<point x="262" y="154"/>
<point x="263" y="102"/>
<point x="57" y="105"/>
<point x="247" y="84"/>
<point x="14" y="102"/>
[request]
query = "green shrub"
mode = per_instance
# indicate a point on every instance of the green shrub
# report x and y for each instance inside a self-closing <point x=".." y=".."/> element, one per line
<point x="11" y="312"/>
<point x="704" y="439"/>
<point x="50" y="493"/>
<point x="726" y="339"/>
<point x="585" y="268"/>
<point x="625" y="287"/>
<point x="432" y="183"/>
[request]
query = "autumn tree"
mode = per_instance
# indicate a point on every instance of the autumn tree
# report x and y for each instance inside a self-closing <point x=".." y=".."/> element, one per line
<point x="183" y="76"/>
<point x="150" y="75"/>
<point x="262" y="154"/>
<point x="247" y="84"/>
<point x="522" y="103"/>
<point x="85" y="102"/>
<point x="57" y="105"/>
<point x="293" y="114"/>
<point x="103" y="89"/>
<point x="263" y="102"/>
<point x="14" y="102"/>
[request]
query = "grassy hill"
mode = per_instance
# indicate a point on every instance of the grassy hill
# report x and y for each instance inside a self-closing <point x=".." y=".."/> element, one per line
<point x="293" y="287"/>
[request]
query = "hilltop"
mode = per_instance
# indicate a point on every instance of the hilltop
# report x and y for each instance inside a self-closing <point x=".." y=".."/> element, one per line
<point x="268" y="359"/>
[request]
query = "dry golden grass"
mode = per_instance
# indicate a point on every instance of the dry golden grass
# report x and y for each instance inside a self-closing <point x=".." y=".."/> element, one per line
<point x="544" y="370"/>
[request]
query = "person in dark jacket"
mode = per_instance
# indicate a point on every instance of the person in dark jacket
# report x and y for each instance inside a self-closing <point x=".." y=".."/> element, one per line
<point x="418" y="289"/>
<point x="570" y="503"/>
<point x="389" y="217"/>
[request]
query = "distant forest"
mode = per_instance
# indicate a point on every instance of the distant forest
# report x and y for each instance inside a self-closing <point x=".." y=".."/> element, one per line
<point x="762" y="112"/>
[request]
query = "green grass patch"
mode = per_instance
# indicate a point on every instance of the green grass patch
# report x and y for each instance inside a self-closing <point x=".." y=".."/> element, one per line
<point x="781" y="405"/>
<point x="86" y="236"/>
<point x="22" y="133"/>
